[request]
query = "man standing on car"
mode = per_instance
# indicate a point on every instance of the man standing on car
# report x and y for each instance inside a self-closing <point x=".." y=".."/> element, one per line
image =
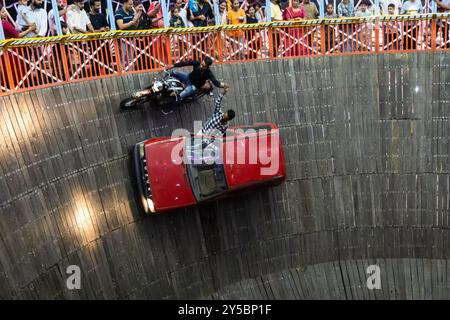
<point x="217" y="124"/>
<point x="197" y="78"/>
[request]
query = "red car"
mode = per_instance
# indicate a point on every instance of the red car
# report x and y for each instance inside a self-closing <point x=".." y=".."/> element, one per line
<point x="179" y="172"/>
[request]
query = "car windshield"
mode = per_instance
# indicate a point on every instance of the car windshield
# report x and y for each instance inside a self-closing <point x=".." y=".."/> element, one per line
<point x="205" y="168"/>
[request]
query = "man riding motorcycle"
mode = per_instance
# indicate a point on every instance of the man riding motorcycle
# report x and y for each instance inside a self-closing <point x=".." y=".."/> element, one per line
<point x="197" y="79"/>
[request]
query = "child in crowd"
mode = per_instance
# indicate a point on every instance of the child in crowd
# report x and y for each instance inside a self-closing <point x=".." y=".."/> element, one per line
<point x="365" y="32"/>
<point x="175" y="19"/>
<point x="329" y="14"/>
<point x="363" y="10"/>
<point x="391" y="31"/>
<point x="22" y="23"/>
<point x="330" y="41"/>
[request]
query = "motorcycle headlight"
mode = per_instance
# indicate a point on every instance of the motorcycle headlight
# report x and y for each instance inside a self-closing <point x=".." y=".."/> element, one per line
<point x="157" y="86"/>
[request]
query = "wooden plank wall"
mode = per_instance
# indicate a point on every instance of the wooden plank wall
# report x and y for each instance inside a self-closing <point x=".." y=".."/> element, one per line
<point x="367" y="149"/>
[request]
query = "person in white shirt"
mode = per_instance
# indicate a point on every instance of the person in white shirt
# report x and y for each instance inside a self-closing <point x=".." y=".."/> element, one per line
<point x="223" y="12"/>
<point x="77" y="18"/>
<point x="22" y="22"/>
<point x="38" y="16"/>
<point x="411" y="7"/>
<point x="363" y="10"/>
<point x="259" y="13"/>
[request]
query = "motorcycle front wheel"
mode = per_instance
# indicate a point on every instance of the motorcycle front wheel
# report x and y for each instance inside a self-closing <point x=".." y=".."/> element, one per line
<point x="132" y="102"/>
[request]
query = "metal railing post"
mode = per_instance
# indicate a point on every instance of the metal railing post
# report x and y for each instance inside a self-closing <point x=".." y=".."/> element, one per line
<point x="165" y="12"/>
<point x="2" y="33"/>
<point x="378" y="25"/>
<point x="433" y="6"/>
<point x="323" y="36"/>
<point x="9" y="73"/>
<point x="110" y="12"/>
<point x="117" y="52"/>
<point x="434" y="32"/>
<point x="217" y="16"/>
<point x="321" y="9"/>
<point x="56" y="19"/>
<point x="377" y="7"/>
<point x="268" y="13"/>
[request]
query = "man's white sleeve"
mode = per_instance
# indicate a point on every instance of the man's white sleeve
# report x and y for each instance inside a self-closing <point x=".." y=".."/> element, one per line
<point x="71" y="19"/>
<point x="42" y="23"/>
<point x="86" y="19"/>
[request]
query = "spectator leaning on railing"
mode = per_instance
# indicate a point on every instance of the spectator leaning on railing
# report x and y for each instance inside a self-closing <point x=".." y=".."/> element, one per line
<point x="77" y="18"/>
<point x="385" y="4"/>
<point x="8" y="28"/>
<point x="155" y="13"/>
<point x="11" y="56"/>
<point x="329" y="13"/>
<point x="98" y="19"/>
<point x="294" y="40"/>
<point x="311" y="11"/>
<point x="363" y="10"/>
<point x="412" y="7"/>
<point x="145" y="22"/>
<point x="223" y="12"/>
<point x="236" y="15"/>
<point x="251" y="15"/>
<point x="275" y="10"/>
<point x="38" y="16"/>
<point x="182" y="12"/>
<point x="125" y="18"/>
<point x="346" y="9"/>
<point x="201" y="15"/>
<point x="62" y="10"/>
<point x="22" y="22"/>
<point x="175" y="20"/>
<point x="259" y="13"/>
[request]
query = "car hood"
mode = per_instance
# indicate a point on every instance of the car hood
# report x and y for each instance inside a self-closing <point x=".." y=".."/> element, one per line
<point x="269" y="164"/>
<point x="168" y="179"/>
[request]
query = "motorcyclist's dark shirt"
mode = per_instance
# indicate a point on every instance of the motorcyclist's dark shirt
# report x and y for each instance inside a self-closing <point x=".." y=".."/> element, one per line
<point x="197" y="76"/>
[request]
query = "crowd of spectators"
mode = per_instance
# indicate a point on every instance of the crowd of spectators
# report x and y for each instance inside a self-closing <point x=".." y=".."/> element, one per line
<point x="33" y="20"/>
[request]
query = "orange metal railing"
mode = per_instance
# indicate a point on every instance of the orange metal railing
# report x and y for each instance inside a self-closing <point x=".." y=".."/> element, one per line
<point x="37" y="63"/>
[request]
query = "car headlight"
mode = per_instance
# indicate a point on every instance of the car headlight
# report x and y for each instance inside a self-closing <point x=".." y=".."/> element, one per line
<point x="150" y="205"/>
<point x="141" y="151"/>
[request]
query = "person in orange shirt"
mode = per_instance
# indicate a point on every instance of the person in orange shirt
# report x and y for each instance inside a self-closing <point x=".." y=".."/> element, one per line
<point x="237" y="16"/>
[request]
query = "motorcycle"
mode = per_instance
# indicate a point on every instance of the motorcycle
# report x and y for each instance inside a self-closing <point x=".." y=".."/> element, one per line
<point x="158" y="94"/>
